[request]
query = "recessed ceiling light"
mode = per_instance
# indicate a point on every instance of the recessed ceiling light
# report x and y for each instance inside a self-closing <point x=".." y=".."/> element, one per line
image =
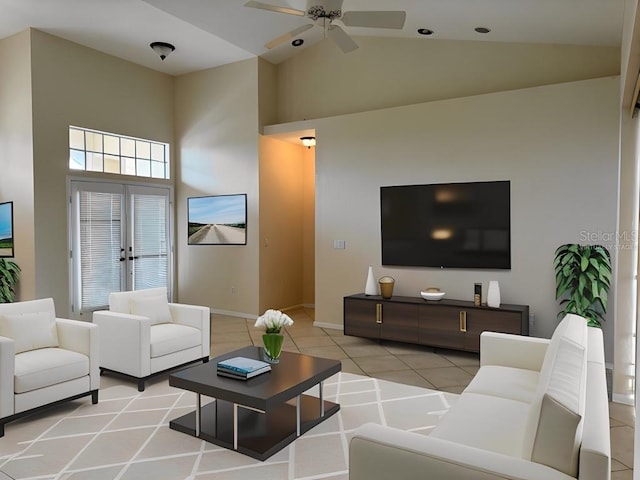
<point x="482" y="29"/>
<point x="425" y="31"/>
<point x="297" y="42"/>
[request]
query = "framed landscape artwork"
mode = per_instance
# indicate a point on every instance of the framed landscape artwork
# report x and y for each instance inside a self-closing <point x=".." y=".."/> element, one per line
<point x="217" y="220"/>
<point x="6" y="229"/>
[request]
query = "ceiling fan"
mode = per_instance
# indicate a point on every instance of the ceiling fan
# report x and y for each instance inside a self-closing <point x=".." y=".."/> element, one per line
<point x="324" y="13"/>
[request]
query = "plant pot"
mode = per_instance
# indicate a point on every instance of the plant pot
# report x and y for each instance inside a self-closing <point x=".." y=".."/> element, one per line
<point x="272" y="347"/>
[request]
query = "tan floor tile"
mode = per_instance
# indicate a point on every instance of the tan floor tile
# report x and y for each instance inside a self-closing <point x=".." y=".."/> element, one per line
<point x="405" y="348"/>
<point x="622" y="445"/>
<point x="349" y="340"/>
<point x="304" y="342"/>
<point x="220" y="348"/>
<point x="461" y="358"/>
<point x="333" y="332"/>
<point x="333" y="352"/>
<point x="425" y="360"/>
<point x="349" y="366"/>
<point x="446" y="376"/>
<point x="622" y="413"/>
<point x="380" y="363"/>
<point x="355" y="351"/>
<point x="622" y="475"/>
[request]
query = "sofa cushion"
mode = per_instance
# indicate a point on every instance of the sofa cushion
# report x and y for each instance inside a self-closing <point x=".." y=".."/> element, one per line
<point x="47" y="366"/>
<point x="506" y="382"/>
<point x="486" y="422"/>
<point x="168" y="338"/>
<point x="121" y="301"/>
<point x="554" y="445"/>
<point x="30" y="330"/>
<point x="155" y="308"/>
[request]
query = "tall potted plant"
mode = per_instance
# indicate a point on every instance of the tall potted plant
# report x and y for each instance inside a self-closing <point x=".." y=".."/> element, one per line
<point x="9" y="275"/>
<point x="583" y="278"/>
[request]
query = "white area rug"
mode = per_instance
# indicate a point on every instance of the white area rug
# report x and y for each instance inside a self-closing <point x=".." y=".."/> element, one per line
<point x="126" y="435"/>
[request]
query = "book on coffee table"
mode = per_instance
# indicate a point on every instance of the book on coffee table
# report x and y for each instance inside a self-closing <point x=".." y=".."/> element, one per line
<point x="242" y="367"/>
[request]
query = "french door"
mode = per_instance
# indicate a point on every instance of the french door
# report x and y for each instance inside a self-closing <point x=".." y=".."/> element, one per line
<point x="120" y="240"/>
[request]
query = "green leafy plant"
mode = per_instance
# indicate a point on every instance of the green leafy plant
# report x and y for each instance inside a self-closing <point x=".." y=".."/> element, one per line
<point x="583" y="278"/>
<point x="9" y="275"/>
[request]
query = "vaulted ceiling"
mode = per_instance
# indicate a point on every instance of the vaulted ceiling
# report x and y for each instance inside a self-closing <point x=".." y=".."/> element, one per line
<point x="208" y="33"/>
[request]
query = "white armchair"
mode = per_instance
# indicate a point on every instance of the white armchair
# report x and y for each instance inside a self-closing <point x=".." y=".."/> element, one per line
<point x="142" y="334"/>
<point x="44" y="359"/>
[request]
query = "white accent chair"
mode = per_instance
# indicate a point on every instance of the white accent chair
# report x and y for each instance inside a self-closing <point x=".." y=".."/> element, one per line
<point x="142" y="334"/>
<point x="43" y="359"/>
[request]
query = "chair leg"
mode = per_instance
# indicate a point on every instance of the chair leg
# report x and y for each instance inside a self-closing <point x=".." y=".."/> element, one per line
<point x="141" y="385"/>
<point x="94" y="397"/>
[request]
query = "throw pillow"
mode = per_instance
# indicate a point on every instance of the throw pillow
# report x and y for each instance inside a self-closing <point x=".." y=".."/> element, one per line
<point x="156" y="308"/>
<point x="30" y="330"/>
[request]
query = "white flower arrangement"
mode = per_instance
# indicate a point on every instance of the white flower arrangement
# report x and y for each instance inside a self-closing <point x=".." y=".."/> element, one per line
<point x="273" y="320"/>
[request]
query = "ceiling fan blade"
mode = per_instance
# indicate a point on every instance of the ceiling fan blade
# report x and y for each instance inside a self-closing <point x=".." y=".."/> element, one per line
<point x="374" y="19"/>
<point x="287" y="36"/>
<point x="341" y="38"/>
<point x="275" y="8"/>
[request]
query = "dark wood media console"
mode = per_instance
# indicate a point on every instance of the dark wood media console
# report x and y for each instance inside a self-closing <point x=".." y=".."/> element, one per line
<point x="454" y="324"/>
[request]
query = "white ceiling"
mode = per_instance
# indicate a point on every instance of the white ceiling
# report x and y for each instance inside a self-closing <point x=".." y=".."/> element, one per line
<point x="210" y="33"/>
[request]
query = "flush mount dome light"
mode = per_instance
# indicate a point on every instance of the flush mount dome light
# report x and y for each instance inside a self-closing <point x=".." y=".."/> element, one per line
<point x="425" y="31"/>
<point x="482" y="29"/>
<point x="163" y="49"/>
<point x="308" y="141"/>
<point x="297" y="42"/>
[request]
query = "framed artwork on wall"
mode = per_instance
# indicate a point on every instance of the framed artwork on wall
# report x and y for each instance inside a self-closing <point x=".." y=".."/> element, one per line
<point x="6" y="229"/>
<point x="217" y="220"/>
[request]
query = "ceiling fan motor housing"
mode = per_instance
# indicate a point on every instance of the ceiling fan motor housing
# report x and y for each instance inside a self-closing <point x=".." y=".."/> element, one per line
<point x="317" y="11"/>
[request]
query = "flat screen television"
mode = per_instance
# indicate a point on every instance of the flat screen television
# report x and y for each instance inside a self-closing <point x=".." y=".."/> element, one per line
<point x="447" y="225"/>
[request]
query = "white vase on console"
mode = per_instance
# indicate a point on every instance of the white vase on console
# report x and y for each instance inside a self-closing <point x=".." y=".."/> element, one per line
<point x="493" y="294"/>
<point x="371" y="287"/>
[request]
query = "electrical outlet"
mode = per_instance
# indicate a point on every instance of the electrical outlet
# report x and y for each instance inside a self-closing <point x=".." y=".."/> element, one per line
<point x="233" y="290"/>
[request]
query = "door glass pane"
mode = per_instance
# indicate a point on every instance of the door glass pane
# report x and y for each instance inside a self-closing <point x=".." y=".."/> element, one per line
<point x="150" y="249"/>
<point x="100" y="238"/>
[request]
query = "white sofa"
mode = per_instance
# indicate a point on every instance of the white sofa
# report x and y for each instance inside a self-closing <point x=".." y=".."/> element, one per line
<point x="142" y="334"/>
<point x="44" y="359"/>
<point x="537" y="409"/>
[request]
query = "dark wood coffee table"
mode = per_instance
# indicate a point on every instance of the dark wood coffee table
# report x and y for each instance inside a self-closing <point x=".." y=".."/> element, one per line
<point x="260" y="416"/>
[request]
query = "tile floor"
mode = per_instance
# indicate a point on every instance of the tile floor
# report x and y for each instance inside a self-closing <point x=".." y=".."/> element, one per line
<point x="410" y="364"/>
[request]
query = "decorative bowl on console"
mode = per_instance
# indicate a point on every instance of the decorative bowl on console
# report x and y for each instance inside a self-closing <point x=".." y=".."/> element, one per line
<point x="432" y="293"/>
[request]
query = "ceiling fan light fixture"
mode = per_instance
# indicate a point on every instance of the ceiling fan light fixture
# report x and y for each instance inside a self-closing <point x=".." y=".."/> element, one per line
<point x="308" y="141"/>
<point x="163" y="49"/>
<point x="482" y="29"/>
<point x="425" y="31"/>
<point x="297" y="42"/>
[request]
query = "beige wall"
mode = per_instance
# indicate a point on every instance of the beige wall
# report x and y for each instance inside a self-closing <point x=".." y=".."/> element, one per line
<point x="309" y="226"/>
<point x="16" y="152"/>
<point x="558" y="145"/>
<point x="217" y="153"/>
<point x="74" y="85"/>
<point x="386" y="72"/>
<point x="281" y="224"/>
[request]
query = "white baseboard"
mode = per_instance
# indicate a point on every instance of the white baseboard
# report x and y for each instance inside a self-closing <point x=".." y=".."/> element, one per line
<point x="231" y="313"/>
<point x="624" y="399"/>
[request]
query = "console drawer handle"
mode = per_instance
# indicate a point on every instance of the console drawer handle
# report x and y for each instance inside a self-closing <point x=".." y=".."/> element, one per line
<point x="463" y="321"/>
<point x="378" y="313"/>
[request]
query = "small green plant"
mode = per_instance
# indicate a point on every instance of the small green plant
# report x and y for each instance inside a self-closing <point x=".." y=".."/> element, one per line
<point x="9" y="275"/>
<point x="583" y="278"/>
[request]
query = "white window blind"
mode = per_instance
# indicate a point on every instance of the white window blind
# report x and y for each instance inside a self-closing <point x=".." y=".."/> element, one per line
<point x="150" y="267"/>
<point x="100" y="239"/>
